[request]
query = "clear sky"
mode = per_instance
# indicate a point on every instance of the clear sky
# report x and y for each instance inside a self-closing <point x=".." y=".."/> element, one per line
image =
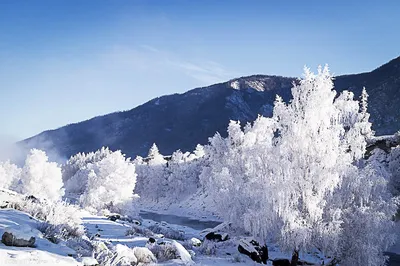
<point x="67" y="61"/>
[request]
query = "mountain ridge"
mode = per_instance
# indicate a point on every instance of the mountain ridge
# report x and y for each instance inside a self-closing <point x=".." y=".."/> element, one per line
<point x="182" y="120"/>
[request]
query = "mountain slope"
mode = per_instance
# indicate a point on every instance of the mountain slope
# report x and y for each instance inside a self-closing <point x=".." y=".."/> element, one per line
<point x="180" y="121"/>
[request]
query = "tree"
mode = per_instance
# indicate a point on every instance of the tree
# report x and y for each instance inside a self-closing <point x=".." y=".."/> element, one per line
<point x="110" y="184"/>
<point x="278" y="177"/>
<point x="152" y="175"/>
<point x="75" y="171"/>
<point x="183" y="173"/>
<point x="41" y="178"/>
<point x="9" y="175"/>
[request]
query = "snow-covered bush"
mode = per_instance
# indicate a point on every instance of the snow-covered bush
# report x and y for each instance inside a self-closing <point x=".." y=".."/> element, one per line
<point x="59" y="220"/>
<point x="40" y="177"/>
<point x="139" y="230"/>
<point x="163" y="252"/>
<point x="110" y="184"/>
<point x="208" y="247"/>
<point x="167" y="232"/>
<point x="299" y="177"/>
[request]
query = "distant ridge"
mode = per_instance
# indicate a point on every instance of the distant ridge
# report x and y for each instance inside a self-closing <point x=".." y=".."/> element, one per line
<point x="181" y="121"/>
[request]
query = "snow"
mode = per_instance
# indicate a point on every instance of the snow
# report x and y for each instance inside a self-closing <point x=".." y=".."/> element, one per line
<point x="45" y="253"/>
<point x="23" y="231"/>
<point x="114" y="232"/>
<point x="126" y="253"/>
<point x="144" y="255"/>
<point x="88" y="261"/>
<point x="183" y="253"/>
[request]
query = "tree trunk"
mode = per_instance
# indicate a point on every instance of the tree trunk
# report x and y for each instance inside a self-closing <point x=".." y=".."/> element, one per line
<point x="295" y="258"/>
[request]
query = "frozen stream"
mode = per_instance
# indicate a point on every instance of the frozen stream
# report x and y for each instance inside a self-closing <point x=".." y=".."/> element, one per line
<point x="179" y="220"/>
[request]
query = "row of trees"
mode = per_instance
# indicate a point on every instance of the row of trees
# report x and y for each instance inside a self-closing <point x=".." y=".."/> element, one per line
<point x="171" y="179"/>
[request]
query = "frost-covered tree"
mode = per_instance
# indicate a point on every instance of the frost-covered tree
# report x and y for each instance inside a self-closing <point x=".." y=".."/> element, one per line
<point x="279" y="178"/>
<point x="183" y="173"/>
<point x="75" y="171"/>
<point x="152" y="175"/>
<point x="171" y="179"/>
<point x="9" y="175"/>
<point x="40" y="177"/>
<point x="110" y="183"/>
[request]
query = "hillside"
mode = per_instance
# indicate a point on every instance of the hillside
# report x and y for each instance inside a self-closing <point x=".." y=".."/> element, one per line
<point x="181" y="121"/>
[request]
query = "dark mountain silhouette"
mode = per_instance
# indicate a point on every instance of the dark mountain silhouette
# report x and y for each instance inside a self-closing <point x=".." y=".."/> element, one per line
<point x="181" y="121"/>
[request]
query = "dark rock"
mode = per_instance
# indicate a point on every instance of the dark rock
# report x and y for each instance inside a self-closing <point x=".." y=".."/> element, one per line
<point x="9" y="239"/>
<point x="281" y="262"/>
<point x="152" y="240"/>
<point x="217" y="237"/>
<point x="253" y="249"/>
<point x="114" y="217"/>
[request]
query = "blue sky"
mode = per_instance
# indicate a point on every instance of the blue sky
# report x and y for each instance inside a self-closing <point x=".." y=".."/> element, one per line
<point x="66" y="61"/>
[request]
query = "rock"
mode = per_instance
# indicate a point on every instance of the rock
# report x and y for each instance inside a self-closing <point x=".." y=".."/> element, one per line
<point x="182" y="253"/>
<point x="151" y="240"/>
<point x="17" y="239"/>
<point x="144" y="255"/>
<point x="217" y="236"/>
<point x="281" y="262"/>
<point x="253" y="249"/>
<point x="192" y="253"/>
<point x="125" y="255"/>
<point x="114" y="217"/>
<point x="136" y="222"/>
<point x="195" y="242"/>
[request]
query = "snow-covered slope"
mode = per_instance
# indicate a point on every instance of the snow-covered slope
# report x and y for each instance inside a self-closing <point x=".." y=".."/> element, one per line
<point x="180" y="121"/>
<point x="45" y="252"/>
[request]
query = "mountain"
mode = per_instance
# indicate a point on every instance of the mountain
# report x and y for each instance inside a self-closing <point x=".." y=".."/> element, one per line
<point x="181" y="121"/>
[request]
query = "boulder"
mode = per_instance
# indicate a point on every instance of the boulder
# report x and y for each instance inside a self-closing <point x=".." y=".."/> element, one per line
<point x="89" y="261"/>
<point x="253" y="249"/>
<point x="114" y="217"/>
<point x="281" y="262"/>
<point x="182" y="253"/>
<point x="144" y="255"/>
<point x="195" y="242"/>
<point x="16" y="238"/>
<point x="217" y="236"/>
<point x="125" y="255"/>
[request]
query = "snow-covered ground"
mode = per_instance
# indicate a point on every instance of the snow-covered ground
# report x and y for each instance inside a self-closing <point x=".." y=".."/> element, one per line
<point x="115" y="232"/>
<point x="121" y="236"/>
<point x="45" y="252"/>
